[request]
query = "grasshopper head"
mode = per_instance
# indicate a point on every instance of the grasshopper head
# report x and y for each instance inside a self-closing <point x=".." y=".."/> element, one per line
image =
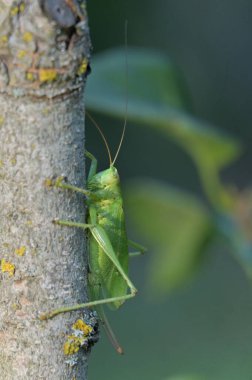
<point x="107" y="178"/>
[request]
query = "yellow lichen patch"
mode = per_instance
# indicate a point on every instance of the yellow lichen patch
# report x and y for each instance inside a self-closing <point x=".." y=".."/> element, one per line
<point x="21" y="54"/>
<point x="14" y="11"/>
<point x="83" y="67"/>
<point x="1" y="164"/>
<point x="80" y="337"/>
<point x="72" y="345"/>
<point x="22" y="7"/>
<point x="1" y="120"/>
<point x="4" y="39"/>
<point x="13" y="161"/>
<point x="15" y="306"/>
<point x="20" y="251"/>
<point x="82" y="326"/>
<point x="47" y="75"/>
<point x="30" y="76"/>
<point x="27" y="37"/>
<point x="28" y="223"/>
<point x="7" y="267"/>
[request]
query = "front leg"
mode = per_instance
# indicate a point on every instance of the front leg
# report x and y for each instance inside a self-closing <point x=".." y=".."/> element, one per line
<point x="93" y="166"/>
<point x="69" y="223"/>
<point x="63" y="185"/>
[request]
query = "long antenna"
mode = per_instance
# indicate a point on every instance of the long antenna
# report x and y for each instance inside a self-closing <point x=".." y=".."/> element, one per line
<point x="102" y="135"/>
<point x="126" y="103"/>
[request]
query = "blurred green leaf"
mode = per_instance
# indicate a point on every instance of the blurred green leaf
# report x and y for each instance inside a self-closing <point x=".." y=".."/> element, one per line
<point x="175" y="224"/>
<point x="150" y="77"/>
<point x="156" y="98"/>
<point x="237" y="229"/>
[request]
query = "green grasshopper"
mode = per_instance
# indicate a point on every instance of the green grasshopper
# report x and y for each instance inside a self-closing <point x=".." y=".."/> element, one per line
<point x="108" y="242"/>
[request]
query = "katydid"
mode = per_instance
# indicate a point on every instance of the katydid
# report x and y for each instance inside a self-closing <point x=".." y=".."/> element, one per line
<point x="108" y="242"/>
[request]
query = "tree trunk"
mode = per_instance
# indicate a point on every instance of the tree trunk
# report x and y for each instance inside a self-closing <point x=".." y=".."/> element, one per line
<point x="44" y="52"/>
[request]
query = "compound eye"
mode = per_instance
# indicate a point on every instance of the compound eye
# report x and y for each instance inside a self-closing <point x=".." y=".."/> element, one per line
<point x="115" y="173"/>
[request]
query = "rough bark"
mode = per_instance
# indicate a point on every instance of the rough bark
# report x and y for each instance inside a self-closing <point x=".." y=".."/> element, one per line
<point x="43" y="266"/>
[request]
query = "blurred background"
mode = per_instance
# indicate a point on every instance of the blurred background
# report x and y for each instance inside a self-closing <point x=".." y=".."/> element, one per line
<point x="202" y="329"/>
